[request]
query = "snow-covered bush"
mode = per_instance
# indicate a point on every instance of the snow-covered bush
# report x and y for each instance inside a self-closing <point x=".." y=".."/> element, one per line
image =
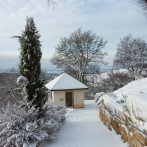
<point x="19" y="126"/>
<point x="98" y="96"/>
<point x="106" y="82"/>
<point x="114" y="81"/>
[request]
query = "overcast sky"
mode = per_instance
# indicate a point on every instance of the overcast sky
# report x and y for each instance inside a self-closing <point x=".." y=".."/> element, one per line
<point x="111" y="19"/>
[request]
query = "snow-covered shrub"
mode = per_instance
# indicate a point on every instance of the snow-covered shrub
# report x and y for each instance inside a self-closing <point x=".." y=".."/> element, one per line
<point x="53" y="118"/>
<point x="113" y="82"/>
<point x="106" y="82"/>
<point x="98" y="96"/>
<point x="19" y="126"/>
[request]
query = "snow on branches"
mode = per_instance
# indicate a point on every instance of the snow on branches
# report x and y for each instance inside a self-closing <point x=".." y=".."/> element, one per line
<point x="21" y="81"/>
<point x="19" y="126"/>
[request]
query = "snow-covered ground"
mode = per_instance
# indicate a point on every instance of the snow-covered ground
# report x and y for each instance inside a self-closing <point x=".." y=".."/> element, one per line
<point x="84" y="129"/>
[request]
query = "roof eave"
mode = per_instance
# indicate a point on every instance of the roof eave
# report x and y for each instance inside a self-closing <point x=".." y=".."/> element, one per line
<point x="68" y="89"/>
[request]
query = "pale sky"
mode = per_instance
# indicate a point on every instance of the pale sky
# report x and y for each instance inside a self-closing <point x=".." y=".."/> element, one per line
<point x="111" y="19"/>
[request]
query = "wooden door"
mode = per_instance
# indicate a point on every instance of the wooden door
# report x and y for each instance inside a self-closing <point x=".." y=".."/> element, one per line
<point x="69" y="101"/>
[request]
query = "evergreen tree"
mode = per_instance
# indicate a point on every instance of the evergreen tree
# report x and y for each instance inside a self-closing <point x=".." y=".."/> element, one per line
<point x="34" y="91"/>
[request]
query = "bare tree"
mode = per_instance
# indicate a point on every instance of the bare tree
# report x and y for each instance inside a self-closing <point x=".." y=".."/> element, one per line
<point x="9" y="91"/>
<point x="132" y="55"/>
<point x="91" y="76"/>
<point x="113" y="81"/>
<point x="51" y="2"/>
<point x="143" y="4"/>
<point x="79" y="51"/>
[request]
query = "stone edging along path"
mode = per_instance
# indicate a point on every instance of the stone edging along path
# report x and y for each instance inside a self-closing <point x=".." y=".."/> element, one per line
<point x="129" y="133"/>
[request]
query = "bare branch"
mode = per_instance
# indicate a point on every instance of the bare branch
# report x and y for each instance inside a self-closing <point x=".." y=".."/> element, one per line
<point x="143" y="5"/>
<point x="132" y="55"/>
<point x="52" y="2"/>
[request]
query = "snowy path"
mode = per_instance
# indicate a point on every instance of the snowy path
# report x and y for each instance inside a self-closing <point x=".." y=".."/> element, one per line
<point x="84" y="129"/>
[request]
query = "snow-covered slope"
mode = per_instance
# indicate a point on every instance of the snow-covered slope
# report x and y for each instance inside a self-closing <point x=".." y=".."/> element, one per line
<point x="131" y="100"/>
<point x="136" y="97"/>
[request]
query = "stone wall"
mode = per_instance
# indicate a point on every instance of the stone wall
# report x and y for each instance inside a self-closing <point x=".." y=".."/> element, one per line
<point x="128" y="133"/>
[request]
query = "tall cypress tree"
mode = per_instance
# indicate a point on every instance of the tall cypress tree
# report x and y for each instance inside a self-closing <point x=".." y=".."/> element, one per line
<point x="34" y="91"/>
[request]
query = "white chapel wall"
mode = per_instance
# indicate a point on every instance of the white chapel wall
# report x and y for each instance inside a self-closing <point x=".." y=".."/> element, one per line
<point x="58" y="97"/>
<point x="78" y="98"/>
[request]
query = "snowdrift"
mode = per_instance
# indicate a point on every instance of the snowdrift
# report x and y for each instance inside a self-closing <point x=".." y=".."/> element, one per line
<point x="130" y="100"/>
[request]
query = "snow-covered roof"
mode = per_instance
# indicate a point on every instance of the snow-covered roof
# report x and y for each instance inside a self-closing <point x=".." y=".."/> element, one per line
<point x="65" y="82"/>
